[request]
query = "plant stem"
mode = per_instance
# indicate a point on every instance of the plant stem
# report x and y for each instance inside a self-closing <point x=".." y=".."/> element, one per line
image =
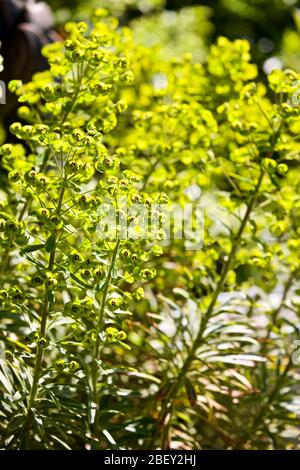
<point x="99" y="328"/>
<point x="276" y="312"/>
<point x="226" y="269"/>
<point x="39" y="356"/>
<point x="265" y="406"/>
<point x="204" y="321"/>
<point x="105" y="291"/>
<point x="4" y="261"/>
<point x="148" y="175"/>
<point x="44" y="314"/>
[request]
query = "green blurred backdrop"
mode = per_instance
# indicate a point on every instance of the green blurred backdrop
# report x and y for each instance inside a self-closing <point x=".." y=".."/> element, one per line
<point x="178" y="26"/>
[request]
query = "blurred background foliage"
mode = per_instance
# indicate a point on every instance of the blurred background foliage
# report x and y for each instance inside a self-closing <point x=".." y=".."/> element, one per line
<point x="179" y="26"/>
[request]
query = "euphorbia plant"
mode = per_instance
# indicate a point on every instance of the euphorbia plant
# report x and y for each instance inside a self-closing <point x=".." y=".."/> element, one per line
<point x="205" y="360"/>
<point x="213" y="126"/>
<point x="65" y="273"/>
<point x="252" y="149"/>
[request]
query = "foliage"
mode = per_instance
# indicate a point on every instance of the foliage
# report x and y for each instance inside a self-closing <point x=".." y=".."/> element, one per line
<point x="176" y="33"/>
<point x="230" y="18"/>
<point x="137" y="342"/>
<point x="290" y="44"/>
<point x="75" y="8"/>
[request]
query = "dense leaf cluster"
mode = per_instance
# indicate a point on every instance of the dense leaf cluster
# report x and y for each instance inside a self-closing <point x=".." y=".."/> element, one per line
<point x="139" y="342"/>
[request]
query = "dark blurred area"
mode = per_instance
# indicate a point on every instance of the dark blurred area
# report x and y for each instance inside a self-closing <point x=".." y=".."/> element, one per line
<point x="25" y="27"/>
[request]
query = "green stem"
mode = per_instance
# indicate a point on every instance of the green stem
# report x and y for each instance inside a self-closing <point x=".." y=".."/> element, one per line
<point x="226" y="269"/>
<point x="148" y="175"/>
<point x="4" y="261"/>
<point x="39" y="356"/>
<point x="99" y="328"/>
<point x="265" y="407"/>
<point x="44" y="315"/>
<point x="199" y="338"/>
<point x="276" y="312"/>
